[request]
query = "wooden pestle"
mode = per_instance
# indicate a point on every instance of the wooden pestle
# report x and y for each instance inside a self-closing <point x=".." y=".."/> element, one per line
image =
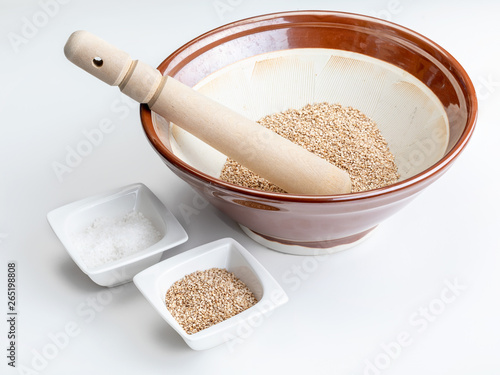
<point x="271" y="156"/>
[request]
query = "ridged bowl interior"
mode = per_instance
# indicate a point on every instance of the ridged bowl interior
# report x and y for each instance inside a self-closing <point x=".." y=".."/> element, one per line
<point x="408" y="114"/>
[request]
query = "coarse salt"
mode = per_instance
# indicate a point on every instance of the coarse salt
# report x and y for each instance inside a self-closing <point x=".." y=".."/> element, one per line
<point x="108" y="239"/>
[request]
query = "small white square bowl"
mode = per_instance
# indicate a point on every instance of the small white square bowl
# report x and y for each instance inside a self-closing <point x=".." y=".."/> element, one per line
<point x="77" y="216"/>
<point x="225" y="253"/>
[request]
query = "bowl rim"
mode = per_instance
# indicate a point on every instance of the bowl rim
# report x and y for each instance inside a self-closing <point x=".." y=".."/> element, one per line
<point x="207" y="39"/>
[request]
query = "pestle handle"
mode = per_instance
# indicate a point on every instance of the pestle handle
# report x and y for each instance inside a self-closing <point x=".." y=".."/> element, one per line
<point x="271" y="156"/>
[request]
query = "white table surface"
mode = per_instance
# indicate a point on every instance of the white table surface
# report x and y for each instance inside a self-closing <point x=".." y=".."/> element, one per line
<point x="384" y="307"/>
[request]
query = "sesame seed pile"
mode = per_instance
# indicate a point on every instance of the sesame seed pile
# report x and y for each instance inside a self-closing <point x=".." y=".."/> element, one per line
<point x="204" y="298"/>
<point x="343" y="136"/>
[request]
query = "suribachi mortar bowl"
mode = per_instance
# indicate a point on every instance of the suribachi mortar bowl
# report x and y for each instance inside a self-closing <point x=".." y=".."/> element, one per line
<point x="419" y="95"/>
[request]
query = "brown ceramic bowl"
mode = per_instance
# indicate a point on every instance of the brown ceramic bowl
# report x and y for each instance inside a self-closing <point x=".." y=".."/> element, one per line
<point x="301" y="224"/>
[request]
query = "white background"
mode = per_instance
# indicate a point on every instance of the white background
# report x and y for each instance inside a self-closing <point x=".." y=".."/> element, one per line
<point x="346" y="312"/>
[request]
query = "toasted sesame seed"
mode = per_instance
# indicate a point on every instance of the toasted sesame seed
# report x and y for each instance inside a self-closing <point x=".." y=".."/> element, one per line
<point x="204" y="298"/>
<point x="341" y="135"/>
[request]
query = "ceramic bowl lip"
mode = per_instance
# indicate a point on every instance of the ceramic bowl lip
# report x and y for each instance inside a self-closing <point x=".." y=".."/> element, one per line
<point x="58" y="216"/>
<point x="259" y="22"/>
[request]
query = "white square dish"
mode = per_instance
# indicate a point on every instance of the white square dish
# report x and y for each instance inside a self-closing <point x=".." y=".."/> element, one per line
<point x="225" y="253"/>
<point x="73" y="218"/>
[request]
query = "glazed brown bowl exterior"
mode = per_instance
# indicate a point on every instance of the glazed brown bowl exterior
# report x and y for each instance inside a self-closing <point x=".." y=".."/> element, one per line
<point x="318" y="222"/>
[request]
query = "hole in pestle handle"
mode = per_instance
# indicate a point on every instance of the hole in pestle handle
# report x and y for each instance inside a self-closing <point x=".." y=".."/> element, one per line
<point x="97" y="61"/>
